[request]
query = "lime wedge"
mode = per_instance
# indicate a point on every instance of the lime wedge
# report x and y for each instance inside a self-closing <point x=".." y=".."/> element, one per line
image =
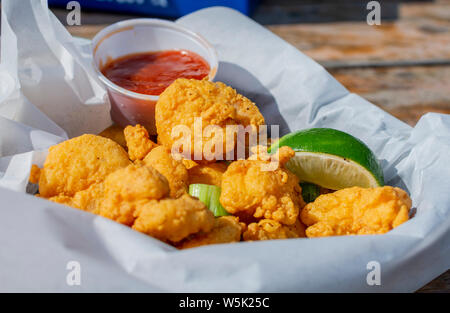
<point x="331" y="159"/>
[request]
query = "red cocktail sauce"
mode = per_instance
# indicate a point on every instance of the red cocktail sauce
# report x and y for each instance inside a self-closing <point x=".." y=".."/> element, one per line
<point x="151" y="72"/>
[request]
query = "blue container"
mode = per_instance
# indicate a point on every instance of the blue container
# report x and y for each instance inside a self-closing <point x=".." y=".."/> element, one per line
<point x="168" y="8"/>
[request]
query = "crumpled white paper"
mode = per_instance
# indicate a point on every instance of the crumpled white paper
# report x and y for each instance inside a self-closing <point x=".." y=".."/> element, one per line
<point x="48" y="92"/>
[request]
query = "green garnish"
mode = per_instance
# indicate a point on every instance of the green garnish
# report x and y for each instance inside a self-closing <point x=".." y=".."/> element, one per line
<point x="310" y="192"/>
<point x="209" y="195"/>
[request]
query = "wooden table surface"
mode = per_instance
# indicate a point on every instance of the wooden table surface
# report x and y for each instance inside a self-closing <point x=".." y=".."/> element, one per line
<point x="403" y="66"/>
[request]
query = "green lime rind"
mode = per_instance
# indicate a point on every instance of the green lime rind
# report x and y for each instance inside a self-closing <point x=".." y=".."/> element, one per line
<point x="310" y="192"/>
<point x="334" y="142"/>
<point x="210" y="196"/>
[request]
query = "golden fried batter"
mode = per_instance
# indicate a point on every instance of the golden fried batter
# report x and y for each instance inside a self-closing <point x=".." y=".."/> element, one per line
<point x="86" y="200"/>
<point x="269" y="229"/>
<point x="216" y="104"/>
<point x="128" y="188"/>
<point x="67" y="200"/>
<point x="35" y="173"/>
<point x="138" y="142"/>
<point x="173" y="219"/>
<point x="174" y="170"/>
<point x="76" y="164"/>
<point x="356" y="211"/>
<point x="257" y="187"/>
<point x="189" y="163"/>
<point x="115" y="133"/>
<point x="120" y="194"/>
<point x="246" y="217"/>
<point x="226" y="229"/>
<point x="209" y="174"/>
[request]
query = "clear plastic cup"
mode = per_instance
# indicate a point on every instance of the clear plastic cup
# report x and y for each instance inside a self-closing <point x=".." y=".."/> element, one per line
<point x="143" y="35"/>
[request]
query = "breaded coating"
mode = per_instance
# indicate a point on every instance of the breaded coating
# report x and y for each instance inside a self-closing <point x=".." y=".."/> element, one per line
<point x="74" y="165"/>
<point x="120" y="194"/>
<point x="173" y="219"/>
<point x="86" y="200"/>
<point x="138" y="142"/>
<point x="226" y="229"/>
<point x="115" y="133"/>
<point x="209" y="174"/>
<point x="35" y="173"/>
<point x="216" y="104"/>
<point x="189" y="163"/>
<point x="128" y="188"/>
<point x="269" y="229"/>
<point x="246" y="217"/>
<point x="356" y="211"/>
<point x="173" y="170"/>
<point x="67" y="200"/>
<point x="262" y="188"/>
<point x="280" y="157"/>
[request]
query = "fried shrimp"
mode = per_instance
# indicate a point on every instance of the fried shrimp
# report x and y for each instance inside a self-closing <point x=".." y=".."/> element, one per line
<point x="128" y="188"/>
<point x="269" y="229"/>
<point x="87" y="200"/>
<point x="173" y="219"/>
<point x="209" y="174"/>
<point x="201" y="105"/>
<point x="226" y="229"/>
<point x="356" y="211"/>
<point x="35" y="173"/>
<point x="173" y="170"/>
<point x="75" y="164"/>
<point x="138" y="142"/>
<point x="258" y="188"/>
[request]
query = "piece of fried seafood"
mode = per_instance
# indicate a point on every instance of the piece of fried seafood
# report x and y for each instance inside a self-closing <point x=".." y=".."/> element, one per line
<point x="209" y="174"/>
<point x="75" y="164"/>
<point x="136" y="196"/>
<point x="87" y="200"/>
<point x="189" y="163"/>
<point x="173" y="170"/>
<point x="127" y="189"/>
<point x="226" y="229"/>
<point x="189" y="107"/>
<point x="356" y="211"/>
<point x="138" y="142"/>
<point x="262" y="187"/>
<point x="115" y="133"/>
<point x="267" y="229"/>
<point x="35" y="174"/>
<point x="118" y="196"/>
<point x="172" y="220"/>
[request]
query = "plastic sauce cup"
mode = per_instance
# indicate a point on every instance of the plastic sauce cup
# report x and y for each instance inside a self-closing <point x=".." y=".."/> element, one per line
<point x="143" y="35"/>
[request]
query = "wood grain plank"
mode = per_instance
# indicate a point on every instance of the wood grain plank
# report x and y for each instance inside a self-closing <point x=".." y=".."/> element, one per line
<point x="421" y="33"/>
<point x="317" y="11"/>
<point x="405" y="92"/>
<point x="85" y="31"/>
<point x="440" y="284"/>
